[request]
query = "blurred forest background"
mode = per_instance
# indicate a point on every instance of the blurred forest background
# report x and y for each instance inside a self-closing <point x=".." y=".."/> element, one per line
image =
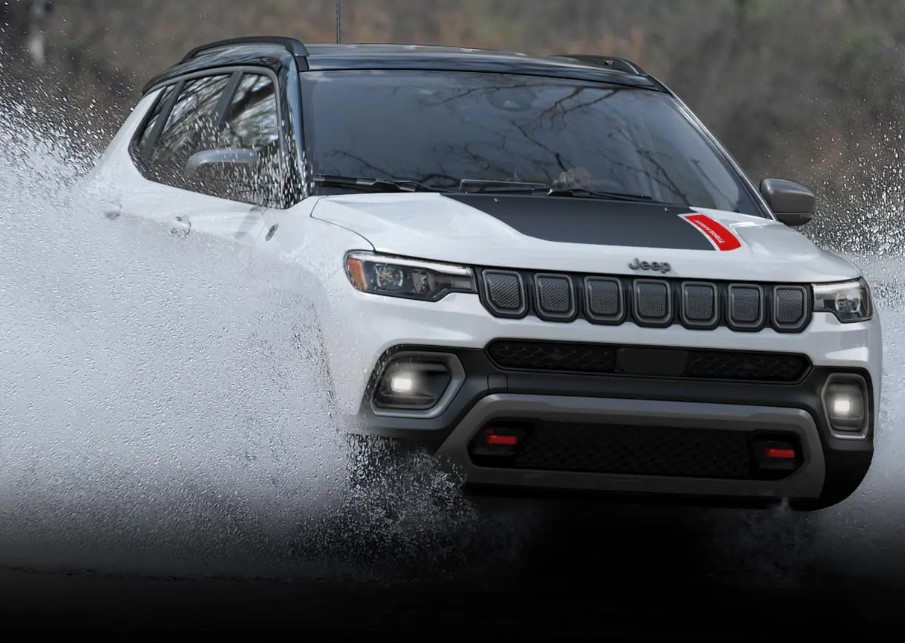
<point x="812" y="90"/>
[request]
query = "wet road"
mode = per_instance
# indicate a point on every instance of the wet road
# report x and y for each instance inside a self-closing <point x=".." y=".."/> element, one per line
<point x="611" y="570"/>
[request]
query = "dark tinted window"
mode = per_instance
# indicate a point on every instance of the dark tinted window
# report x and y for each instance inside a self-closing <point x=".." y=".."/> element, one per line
<point x="247" y="130"/>
<point x="441" y="127"/>
<point x="190" y="128"/>
<point x="251" y="122"/>
<point x="151" y="123"/>
<point x="251" y="119"/>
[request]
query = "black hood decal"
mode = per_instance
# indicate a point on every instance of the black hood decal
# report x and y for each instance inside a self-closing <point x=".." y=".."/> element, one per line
<point x="592" y="221"/>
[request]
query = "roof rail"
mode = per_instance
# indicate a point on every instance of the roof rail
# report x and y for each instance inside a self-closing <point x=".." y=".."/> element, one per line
<point x="613" y="62"/>
<point x="293" y="46"/>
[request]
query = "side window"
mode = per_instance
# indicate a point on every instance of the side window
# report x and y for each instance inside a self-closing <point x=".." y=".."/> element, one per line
<point x="190" y="128"/>
<point x="162" y="101"/>
<point x="251" y="119"/>
<point x="239" y="135"/>
<point x="251" y="122"/>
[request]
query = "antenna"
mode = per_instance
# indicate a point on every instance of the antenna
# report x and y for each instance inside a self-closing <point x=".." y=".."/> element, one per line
<point x="339" y="22"/>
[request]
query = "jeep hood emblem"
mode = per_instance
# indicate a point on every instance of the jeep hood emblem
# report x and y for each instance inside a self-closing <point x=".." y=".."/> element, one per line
<point x="656" y="266"/>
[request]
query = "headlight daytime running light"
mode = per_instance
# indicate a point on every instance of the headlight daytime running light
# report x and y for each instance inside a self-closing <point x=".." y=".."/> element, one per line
<point x="849" y="301"/>
<point x="408" y="278"/>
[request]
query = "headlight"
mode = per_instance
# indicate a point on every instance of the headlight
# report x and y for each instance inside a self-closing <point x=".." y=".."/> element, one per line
<point x="849" y="301"/>
<point x="409" y="278"/>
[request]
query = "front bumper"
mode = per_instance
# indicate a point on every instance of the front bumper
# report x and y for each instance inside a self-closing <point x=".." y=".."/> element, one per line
<point x="370" y="327"/>
<point x="831" y="467"/>
<point x="806" y="482"/>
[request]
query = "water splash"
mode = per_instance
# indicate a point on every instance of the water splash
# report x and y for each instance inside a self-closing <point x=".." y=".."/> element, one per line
<point x="163" y="413"/>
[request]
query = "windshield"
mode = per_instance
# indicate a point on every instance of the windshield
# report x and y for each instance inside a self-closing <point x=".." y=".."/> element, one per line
<point x="440" y="128"/>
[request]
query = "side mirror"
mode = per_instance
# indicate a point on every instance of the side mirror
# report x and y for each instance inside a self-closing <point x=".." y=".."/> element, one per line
<point x="220" y="164"/>
<point x="792" y="203"/>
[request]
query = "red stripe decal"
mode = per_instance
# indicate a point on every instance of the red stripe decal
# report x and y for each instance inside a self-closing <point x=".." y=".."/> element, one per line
<point x="720" y="236"/>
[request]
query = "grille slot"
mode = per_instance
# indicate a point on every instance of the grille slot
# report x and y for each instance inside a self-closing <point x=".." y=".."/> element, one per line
<point x="505" y="292"/>
<point x="554" y="356"/>
<point x="652" y="302"/>
<point x="603" y="299"/>
<point x="760" y="367"/>
<point x="641" y="450"/>
<point x="746" y="307"/>
<point x="604" y="359"/>
<point x="699" y="305"/>
<point x="555" y="296"/>
<point x="790" y="307"/>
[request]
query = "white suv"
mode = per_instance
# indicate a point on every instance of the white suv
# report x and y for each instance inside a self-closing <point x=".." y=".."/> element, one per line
<point x="544" y="270"/>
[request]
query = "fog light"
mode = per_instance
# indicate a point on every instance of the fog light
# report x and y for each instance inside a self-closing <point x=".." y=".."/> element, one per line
<point x="845" y="398"/>
<point x="402" y="383"/>
<point x="412" y="383"/>
<point x="842" y="407"/>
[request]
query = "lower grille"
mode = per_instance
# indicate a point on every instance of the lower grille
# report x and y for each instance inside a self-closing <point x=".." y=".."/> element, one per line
<point x="549" y="356"/>
<point x="610" y="359"/>
<point x="639" y="450"/>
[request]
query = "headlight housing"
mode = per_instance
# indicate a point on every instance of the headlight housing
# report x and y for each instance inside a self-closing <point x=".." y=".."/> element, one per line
<point x="407" y="278"/>
<point x="849" y="301"/>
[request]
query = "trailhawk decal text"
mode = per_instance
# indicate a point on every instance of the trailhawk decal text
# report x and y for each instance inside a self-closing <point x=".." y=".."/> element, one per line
<point x="722" y="238"/>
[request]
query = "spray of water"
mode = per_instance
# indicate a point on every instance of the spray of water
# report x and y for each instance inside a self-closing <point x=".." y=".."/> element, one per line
<point x="163" y="412"/>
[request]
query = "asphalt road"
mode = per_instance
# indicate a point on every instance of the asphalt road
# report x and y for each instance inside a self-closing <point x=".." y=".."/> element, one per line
<point x="621" y="570"/>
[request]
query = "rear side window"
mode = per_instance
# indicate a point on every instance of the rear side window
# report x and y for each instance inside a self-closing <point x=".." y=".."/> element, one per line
<point x="162" y="102"/>
<point x="190" y="127"/>
<point x="234" y="121"/>
<point x="251" y="122"/>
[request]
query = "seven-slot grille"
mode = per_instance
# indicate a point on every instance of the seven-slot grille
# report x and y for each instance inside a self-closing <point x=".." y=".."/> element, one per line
<point x="700" y="305"/>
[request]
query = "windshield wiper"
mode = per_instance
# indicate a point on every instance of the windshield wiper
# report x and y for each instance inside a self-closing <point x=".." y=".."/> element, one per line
<point x="363" y="184"/>
<point x="599" y="194"/>
<point x="519" y="187"/>
<point x="498" y="187"/>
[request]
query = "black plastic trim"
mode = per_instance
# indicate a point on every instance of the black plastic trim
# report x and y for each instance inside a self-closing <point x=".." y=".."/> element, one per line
<point x="653" y="322"/>
<point x="762" y="304"/>
<point x="847" y="461"/>
<point x="608" y="62"/>
<point x="485" y="295"/>
<point x="292" y="45"/>
<point x="616" y="347"/>
<point x="629" y="314"/>
<point x="808" y="296"/>
<point x="710" y="324"/>
<point x="841" y="434"/>
<point x="612" y="320"/>
<point x="573" y="298"/>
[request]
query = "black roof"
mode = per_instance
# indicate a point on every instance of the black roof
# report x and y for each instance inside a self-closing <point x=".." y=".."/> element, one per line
<point x="276" y="51"/>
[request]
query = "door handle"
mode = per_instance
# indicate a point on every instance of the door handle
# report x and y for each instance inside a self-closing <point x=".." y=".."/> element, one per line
<point x="180" y="226"/>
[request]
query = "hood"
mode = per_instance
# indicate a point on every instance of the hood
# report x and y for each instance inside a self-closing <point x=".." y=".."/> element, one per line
<point x="583" y="235"/>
